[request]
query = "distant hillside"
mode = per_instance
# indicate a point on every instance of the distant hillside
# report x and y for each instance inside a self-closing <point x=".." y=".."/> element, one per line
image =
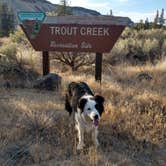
<point x="43" y="5"/>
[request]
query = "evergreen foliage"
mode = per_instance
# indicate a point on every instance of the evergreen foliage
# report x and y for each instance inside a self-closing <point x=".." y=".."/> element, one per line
<point x="6" y="20"/>
<point x="63" y="9"/>
<point x="159" y="22"/>
<point x="161" y="18"/>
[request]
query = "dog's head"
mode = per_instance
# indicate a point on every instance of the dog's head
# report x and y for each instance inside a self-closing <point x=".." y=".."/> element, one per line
<point x="92" y="107"/>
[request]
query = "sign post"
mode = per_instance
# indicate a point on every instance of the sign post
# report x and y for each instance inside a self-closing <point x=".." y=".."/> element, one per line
<point x="98" y="67"/>
<point x="96" y="34"/>
<point x="46" y="62"/>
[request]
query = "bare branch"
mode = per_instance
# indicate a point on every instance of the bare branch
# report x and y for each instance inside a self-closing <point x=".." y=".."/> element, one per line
<point x="74" y="59"/>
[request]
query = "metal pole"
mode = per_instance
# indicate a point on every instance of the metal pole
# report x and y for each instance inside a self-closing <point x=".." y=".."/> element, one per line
<point x="98" y="67"/>
<point x="46" y="63"/>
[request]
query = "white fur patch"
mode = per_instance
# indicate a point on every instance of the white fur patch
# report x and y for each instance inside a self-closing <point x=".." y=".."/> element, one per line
<point x="85" y="121"/>
<point x="89" y="108"/>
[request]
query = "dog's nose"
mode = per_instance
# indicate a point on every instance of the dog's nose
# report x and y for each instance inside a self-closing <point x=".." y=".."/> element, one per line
<point x="96" y="117"/>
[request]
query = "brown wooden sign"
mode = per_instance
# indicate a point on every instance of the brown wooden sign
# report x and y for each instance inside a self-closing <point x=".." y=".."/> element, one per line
<point x="96" y="34"/>
<point x="71" y="33"/>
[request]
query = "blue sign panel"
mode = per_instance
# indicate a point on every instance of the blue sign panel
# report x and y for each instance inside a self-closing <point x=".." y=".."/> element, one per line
<point x="38" y="16"/>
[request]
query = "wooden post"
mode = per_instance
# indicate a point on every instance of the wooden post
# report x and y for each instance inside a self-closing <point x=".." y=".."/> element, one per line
<point x="98" y="67"/>
<point x="46" y="63"/>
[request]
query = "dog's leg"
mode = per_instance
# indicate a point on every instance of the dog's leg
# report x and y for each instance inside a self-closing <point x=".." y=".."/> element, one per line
<point x="94" y="137"/>
<point x="67" y="105"/>
<point x="80" y="137"/>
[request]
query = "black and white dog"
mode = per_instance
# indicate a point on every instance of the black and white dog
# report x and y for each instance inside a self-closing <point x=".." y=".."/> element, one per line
<point x="87" y="109"/>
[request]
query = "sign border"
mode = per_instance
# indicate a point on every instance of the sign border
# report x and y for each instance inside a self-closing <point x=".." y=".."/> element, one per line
<point x="30" y="12"/>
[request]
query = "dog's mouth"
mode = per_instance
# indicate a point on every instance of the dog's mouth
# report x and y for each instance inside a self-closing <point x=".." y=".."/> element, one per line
<point x="96" y="122"/>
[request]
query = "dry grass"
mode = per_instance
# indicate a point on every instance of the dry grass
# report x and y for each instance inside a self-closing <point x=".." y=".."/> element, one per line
<point x="35" y="129"/>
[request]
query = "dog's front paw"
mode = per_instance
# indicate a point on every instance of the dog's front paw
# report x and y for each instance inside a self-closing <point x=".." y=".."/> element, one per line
<point x="80" y="146"/>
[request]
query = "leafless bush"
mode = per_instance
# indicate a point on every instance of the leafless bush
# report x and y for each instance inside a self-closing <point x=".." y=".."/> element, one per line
<point x="74" y="60"/>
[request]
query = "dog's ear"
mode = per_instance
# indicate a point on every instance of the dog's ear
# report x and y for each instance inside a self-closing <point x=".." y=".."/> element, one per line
<point x="82" y="103"/>
<point x="99" y="106"/>
<point x="99" y="99"/>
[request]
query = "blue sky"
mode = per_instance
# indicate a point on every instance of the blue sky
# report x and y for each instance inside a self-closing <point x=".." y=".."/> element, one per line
<point x="135" y="9"/>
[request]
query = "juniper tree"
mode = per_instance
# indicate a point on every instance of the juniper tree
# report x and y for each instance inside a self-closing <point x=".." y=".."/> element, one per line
<point x="156" y="19"/>
<point x="147" y="24"/>
<point x="63" y="9"/>
<point x="161" y="18"/>
<point x="6" y="20"/>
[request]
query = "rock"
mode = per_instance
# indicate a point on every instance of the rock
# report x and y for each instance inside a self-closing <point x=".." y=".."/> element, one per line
<point x="48" y="82"/>
<point x="144" y="76"/>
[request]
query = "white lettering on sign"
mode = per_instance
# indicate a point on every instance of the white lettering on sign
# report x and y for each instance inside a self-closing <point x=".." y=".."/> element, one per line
<point x="83" y="45"/>
<point x="86" y="45"/>
<point x="53" y="44"/>
<point x="89" y="31"/>
<point x="64" y="30"/>
<point x="83" y="31"/>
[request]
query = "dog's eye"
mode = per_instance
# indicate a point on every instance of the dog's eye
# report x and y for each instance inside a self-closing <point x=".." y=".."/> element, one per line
<point x="89" y="109"/>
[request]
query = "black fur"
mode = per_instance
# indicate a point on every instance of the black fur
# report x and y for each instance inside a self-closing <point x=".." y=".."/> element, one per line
<point x="82" y="103"/>
<point x="99" y="100"/>
<point x="67" y="105"/>
<point x="75" y="92"/>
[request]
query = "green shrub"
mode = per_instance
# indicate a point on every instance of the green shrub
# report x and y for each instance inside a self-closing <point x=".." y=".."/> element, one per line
<point x="147" y="43"/>
<point x="18" y="37"/>
<point x="164" y="47"/>
<point x="150" y="44"/>
<point x="9" y="51"/>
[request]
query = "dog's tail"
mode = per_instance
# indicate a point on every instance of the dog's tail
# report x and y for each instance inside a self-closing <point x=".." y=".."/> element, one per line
<point x="68" y="107"/>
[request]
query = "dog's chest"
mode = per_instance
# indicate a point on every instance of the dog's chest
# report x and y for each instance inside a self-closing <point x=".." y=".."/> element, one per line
<point x="83" y="123"/>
